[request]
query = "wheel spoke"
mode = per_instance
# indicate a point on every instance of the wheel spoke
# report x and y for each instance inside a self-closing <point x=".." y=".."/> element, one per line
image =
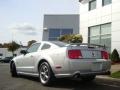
<point x="46" y="76"/>
<point x="42" y="73"/>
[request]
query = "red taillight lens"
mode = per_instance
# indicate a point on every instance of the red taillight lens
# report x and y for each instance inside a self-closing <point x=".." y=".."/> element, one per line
<point x="105" y="55"/>
<point x="74" y="54"/>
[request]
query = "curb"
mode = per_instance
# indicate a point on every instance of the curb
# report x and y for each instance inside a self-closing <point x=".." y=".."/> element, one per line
<point x="108" y="78"/>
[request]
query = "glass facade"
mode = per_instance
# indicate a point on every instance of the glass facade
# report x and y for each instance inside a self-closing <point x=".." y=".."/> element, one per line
<point x="92" y="5"/>
<point x="101" y="35"/>
<point x="54" y="34"/>
<point x="106" y="2"/>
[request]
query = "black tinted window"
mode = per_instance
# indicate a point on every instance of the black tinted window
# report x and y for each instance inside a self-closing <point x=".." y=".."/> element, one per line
<point x="45" y="46"/>
<point x="33" y="48"/>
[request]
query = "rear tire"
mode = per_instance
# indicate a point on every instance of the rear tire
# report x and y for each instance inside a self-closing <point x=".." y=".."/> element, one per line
<point x="13" y="70"/>
<point x="88" y="78"/>
<point x="45" y="74"/>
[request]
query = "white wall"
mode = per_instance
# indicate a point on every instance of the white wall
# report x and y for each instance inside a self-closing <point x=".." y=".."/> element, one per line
<point x="116" y="24"/>
<point x="101" y="15"/>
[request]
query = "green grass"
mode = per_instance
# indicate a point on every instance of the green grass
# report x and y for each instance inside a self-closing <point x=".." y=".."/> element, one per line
<point x="115" y="74"/>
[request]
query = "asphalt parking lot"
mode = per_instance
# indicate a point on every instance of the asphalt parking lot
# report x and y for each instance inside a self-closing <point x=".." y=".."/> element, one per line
<point x="30" y="83"/>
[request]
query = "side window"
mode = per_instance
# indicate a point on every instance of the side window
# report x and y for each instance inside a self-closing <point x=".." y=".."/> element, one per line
<point x="45" y="46"/>
<point x="33" y="48"/>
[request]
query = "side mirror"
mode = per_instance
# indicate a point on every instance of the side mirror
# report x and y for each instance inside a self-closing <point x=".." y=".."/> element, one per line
<point x="23" y="52"/>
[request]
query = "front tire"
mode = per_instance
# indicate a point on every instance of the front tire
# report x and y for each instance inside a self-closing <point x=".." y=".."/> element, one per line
<point x="45" y="74"/>
<point x="13" y="70"/>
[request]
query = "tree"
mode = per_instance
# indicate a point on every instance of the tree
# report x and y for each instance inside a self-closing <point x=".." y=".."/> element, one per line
<point x="31" y="42"/>
<point x="13" y="46"/>
<point x="5" y="45"/>
<point x="115" y="56"/>
<point x="71" y="38"/>
<point x="1" y="45"/>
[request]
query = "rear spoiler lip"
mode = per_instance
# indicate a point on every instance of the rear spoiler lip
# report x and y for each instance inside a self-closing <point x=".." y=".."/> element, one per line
<point x="88" y="44"/>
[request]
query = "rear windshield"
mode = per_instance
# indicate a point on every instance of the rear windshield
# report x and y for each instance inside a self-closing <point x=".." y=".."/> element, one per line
<point x="60" y="44"/>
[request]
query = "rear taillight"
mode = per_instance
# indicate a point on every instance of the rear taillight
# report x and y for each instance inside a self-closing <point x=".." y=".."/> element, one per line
<point x="105" y="55"/>
<point x="74" y="54"/>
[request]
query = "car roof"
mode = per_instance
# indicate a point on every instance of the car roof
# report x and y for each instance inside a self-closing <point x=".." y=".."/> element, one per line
<point x="49" y="42"/>
<point x="58" y="43"/>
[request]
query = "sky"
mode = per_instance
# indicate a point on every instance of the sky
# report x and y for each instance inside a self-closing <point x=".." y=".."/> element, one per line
<point x="22" y="20"/>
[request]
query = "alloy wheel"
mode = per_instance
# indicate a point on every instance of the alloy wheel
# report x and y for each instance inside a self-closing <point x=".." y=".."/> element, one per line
<point x="44" y="73"/>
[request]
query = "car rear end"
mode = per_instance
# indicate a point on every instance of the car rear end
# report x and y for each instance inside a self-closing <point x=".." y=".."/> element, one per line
<point x="87" y="59"/>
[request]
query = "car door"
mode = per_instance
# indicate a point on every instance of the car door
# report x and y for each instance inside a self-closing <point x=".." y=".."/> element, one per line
<point x="28" y="60"/>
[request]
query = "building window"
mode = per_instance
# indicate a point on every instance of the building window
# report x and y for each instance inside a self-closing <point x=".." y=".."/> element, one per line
<point x="95" y="34"/>
<point x="101" y="35"/>
<point x="54" y="34"/>
<point x="106" y="2"/>
<point x="92" y="5"/>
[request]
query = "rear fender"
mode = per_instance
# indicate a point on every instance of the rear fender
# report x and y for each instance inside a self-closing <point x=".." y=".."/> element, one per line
<point x="47" y="59"/>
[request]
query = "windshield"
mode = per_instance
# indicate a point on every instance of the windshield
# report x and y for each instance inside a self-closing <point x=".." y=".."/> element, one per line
<point x="58" y="43"/>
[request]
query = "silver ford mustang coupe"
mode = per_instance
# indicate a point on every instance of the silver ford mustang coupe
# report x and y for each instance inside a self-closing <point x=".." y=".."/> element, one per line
<point x="50" y="60"/>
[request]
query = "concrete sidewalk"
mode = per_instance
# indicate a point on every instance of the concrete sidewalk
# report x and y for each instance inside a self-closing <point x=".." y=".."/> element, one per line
<point x="114" y="68"/>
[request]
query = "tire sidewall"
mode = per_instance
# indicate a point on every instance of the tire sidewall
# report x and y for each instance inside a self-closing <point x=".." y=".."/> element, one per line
<point x="13" y="70"/>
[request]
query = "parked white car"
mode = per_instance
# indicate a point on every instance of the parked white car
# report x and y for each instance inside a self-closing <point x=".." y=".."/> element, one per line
<point x="50" y="60"/>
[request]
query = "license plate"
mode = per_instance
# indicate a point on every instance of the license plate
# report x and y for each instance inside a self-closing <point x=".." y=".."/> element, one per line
<point x="91" y="54"/>
<point x="96" y="66"/>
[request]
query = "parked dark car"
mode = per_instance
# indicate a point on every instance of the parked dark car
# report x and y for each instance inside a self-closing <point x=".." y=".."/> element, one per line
<point x="6" y="59"/>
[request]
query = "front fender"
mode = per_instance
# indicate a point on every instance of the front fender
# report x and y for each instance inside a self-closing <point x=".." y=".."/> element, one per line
<point x="13" y="60"/>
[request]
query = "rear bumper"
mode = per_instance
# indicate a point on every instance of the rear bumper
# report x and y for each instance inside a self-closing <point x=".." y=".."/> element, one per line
<point x="96" y="73"/>
<point x="87" y="67"/>
<point x="83" y="74"/>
